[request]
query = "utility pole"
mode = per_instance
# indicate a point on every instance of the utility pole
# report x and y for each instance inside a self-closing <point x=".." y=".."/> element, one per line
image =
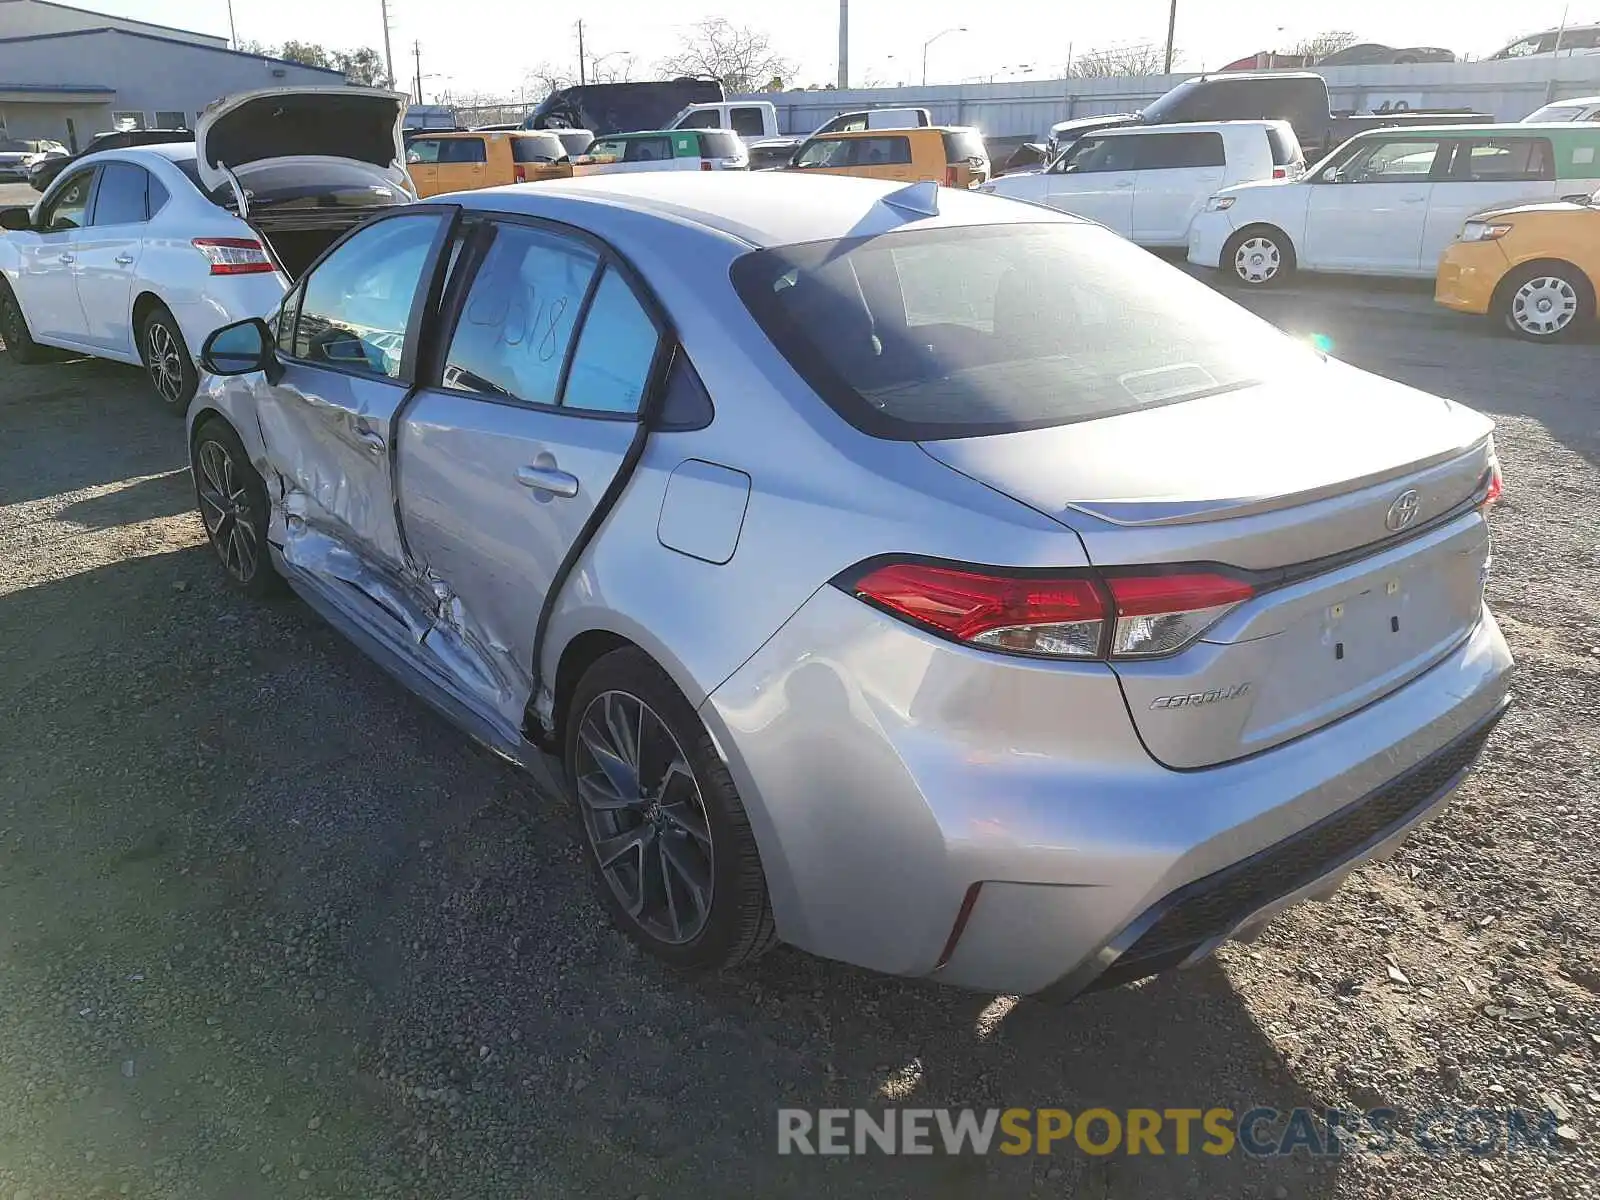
<point x="581" y="79"/>
<point x="844" y="44"/>
<point x="1172" y="25"/>
<point x="416" y="49"/>
<point x="388" y="54"/>
<point x="233" y="30"/>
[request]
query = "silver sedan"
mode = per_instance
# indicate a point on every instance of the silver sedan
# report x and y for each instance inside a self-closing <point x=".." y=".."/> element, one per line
<point x="928" y="580"/>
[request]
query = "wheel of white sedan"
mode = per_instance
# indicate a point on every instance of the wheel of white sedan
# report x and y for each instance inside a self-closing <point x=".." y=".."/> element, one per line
<point x="666" y="832"/>
<point x="1258" y="257"/>
<point x="167" y="360"/>
<point x="14" y="329"/>
<point x="1546" y="302"/>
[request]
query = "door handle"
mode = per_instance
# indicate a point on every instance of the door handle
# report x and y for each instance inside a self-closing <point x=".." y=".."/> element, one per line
<point x="1412" y="199"/>
<point x="372" y="441"/>
<point x="1124" y="184"/>
<point x="124" y="259"/>
<point x="68" y="258"/>
<point x="548" y="479"/>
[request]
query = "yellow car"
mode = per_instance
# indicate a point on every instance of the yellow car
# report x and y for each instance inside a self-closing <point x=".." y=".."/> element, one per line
<point x="1536" y="267"/>
<point x="952" y="156"/>
<point x="463" y="162"/>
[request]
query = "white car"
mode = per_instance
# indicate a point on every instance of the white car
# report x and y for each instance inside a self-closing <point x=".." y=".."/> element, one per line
<point x="1147" y="182"/>
<point x="1554" y="43"/>
<point x="664" y="150"/>
<point x="1580" y="108"/>
<point x="137" y="255"/>
<point x="1388" y="202"/>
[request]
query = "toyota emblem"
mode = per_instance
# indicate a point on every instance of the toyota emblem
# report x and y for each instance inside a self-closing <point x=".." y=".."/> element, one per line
<point x="1404" y="510"/>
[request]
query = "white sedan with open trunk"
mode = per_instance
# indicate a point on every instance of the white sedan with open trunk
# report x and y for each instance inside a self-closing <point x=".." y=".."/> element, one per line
<point x="137" y="255"/>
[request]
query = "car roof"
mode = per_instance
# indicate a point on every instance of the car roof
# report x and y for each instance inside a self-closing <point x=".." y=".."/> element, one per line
<point x="893" y="130"/>
<point x="1572" y="100"/>
<point x="762" y="208"/>
<point x="176" y="151"/>
<point x="1190" y="127"/>
<point x="1498" y="129"/>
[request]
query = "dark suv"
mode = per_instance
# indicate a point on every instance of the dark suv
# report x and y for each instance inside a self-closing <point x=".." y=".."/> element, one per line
<point x="44" y="172"/>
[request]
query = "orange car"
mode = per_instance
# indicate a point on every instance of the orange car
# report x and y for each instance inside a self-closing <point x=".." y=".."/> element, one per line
<point x="1535" y="268"/>
<point x="463" y="162"/>
<point x="949" y="155"/>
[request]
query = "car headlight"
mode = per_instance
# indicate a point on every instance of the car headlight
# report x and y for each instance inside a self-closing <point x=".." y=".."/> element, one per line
<point x="1220" y="203"/>
<point x="1483" y="231"/>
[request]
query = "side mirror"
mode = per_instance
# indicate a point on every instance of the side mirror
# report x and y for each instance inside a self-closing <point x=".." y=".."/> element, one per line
<point x="241" y="348"/>
<point x="18" y="218"/>
<point x="1331" y="175"/>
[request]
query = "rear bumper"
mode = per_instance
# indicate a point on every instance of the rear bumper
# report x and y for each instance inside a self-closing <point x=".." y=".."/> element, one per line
<point x="887" y="773"/>
<point x="1469" y="272"/>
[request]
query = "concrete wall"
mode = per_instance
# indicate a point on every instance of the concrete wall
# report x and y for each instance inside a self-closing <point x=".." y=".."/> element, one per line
<point x="19" y="18"/>
<point x="148" y="75"/>
<point x="49" y="120"/>
<point x="1508" y="89"/>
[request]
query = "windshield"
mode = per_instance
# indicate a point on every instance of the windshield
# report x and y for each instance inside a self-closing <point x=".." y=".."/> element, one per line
<point x="1554" y="112"/>
<point x="996" y="328"/>
<point x="1156" y="112"/>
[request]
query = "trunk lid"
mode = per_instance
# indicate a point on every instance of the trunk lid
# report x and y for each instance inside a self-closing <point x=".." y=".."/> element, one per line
<point x="1348" y="504"/>
<point x="302" y="126"/>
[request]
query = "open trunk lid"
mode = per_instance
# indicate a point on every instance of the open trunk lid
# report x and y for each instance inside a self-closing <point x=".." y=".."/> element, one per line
<point x="1350" y="511"/>
<point x="305" y="127"/>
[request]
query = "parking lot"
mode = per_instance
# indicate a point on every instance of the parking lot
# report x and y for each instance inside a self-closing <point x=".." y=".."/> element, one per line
<point x="270" y="927"/>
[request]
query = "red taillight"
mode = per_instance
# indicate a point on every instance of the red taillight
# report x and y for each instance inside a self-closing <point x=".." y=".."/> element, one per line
<point x="950" y="177"/>
<point x="1062" y="616"/>
<point x="519" y="173"/>
<point x="705" y="164"/>
<point x="1280" y="172"/>
<point x="1495" y="489"/>
<point x="235" y="256"/>
<point x="1157" y="614"/>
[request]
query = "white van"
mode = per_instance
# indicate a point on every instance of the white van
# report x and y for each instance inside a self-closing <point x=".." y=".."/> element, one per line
<point x="1147" y="182"/>
<point x="1388" y="202"/>
<point x="1580" y="108"/>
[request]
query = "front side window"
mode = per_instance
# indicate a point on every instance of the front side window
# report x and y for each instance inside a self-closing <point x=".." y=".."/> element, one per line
<point x="424" y="151"/>
<point x="1392" y="162"/>
<point x="611" y="364"/>
<point x="1095" y="155"/>
<point x="747" y="122"/>
<point x="123" y="195"/>
<point x="961" y="332"/>
<point x="512" y="337"/>
<point x="824" y="152"/>
<point x="463" y="150"/>
<point x="1168" y="151"/>
<point x="67" y="209"/>
<point x="705" y="119"/>
<point x="1502" y="160"/>
<point x="358" y="302"/>
<point x="608" y="148"/>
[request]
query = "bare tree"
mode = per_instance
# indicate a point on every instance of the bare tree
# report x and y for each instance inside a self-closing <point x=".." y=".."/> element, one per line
<point x="742" y="57"/>
<point x="1141" y="58"/>
<point x="1325" y="43"/>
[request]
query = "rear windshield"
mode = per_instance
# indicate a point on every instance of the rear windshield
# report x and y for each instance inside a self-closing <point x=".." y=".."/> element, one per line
<point x="962" y="144"/>
<point x="988" y="329"/>
<point x="1285" y="146"/>
<point x="719" y="143"/>
<point x="537" y="148"/>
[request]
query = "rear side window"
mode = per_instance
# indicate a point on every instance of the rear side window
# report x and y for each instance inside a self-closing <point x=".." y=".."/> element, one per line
<point x="720" y="144"/>
<point x="1285" y="146"/>
<point x="960" y="332"/>
<point x="962" y="144"/>
<point x="1504" y="160"/>
<point x="708" y="118"/>
<point x="463" y="150"/>
<point x="545" y="149"/>
<point x="611" y="365"/>
<point x="1166" y="151"/>
<point x="122" y="198"/>
<point x="511" y="340"/>
<point x="747" y="122"/>
<point x="357" y="303"/>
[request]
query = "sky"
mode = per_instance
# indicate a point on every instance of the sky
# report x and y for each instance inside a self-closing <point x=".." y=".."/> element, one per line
<point x="489" y="46"/>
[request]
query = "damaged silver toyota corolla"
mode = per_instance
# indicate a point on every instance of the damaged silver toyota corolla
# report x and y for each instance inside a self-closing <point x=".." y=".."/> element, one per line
<point x="931" y="581"/>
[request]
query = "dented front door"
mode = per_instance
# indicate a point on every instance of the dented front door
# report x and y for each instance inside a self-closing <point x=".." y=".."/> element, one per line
<point x="346" y="347"/>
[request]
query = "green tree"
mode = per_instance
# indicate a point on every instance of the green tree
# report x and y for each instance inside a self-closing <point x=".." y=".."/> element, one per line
<point x="308" y="54"/>
<point x="363" y="66"/>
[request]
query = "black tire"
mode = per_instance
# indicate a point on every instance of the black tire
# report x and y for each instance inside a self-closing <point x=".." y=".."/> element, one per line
<point x="233" y="505"/>
<point x="1275" y="250"/>
<point x="14" y="329"/>
<point x="167" y="361"/>
<point x="1562" y="286"/>
<point x="736" y="926"/>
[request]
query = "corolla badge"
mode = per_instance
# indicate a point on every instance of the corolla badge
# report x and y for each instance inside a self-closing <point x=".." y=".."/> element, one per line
<point x="1403" y="511"/>
<point x="1195" y="699"/>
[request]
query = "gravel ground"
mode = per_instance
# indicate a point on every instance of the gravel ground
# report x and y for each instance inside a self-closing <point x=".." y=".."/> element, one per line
<point x="269" y="927"/>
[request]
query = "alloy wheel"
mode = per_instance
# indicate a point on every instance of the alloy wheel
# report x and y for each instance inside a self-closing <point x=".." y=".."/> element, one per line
<point x="1544" y="306"/>
<point x="1257" y="260"/>
<point x="227" y="510"/>
<point x="645" y="816"/>
<point x="11" y="326"/>
<point x="165" y="362"/>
